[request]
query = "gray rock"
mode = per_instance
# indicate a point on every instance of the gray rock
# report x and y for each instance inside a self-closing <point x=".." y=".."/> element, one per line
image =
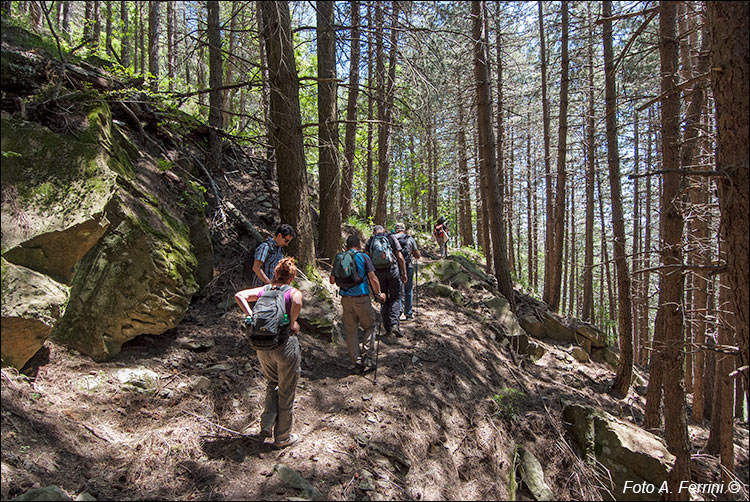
<point x="48" y="493"/>
<point x="293" y="479"/>
<point x="141" y="380"/>
<point x="629" y="452"/>
<point x="533" y="475"/>
<point x="580" y="355"/>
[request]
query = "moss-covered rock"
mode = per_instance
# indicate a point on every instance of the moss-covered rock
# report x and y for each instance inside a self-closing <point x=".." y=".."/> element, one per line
<point x="55" y="189"/>
<point x="31" y="305"/>
<point x="77" y="209"/>
<point x="627" y="451"/>
<point x="139" y="279"/>
<point x="317" y="307"/>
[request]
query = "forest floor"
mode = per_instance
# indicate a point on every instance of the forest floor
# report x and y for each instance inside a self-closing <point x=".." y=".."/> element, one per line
<point x="427" y="430"/>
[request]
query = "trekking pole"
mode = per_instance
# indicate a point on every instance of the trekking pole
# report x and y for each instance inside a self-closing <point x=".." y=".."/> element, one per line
<point x="416" y="286"/>
<point x="377" y="335"/>
<point x="377" y="353"/>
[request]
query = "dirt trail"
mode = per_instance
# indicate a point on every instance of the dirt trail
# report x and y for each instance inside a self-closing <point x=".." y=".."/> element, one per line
<point x="428" y="430"/>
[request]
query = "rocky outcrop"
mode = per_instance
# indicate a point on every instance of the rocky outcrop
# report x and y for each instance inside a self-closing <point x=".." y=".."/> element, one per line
<point x="32" y="303"/>
<point x="84" y="207"/>
<point x="627" y="451"/>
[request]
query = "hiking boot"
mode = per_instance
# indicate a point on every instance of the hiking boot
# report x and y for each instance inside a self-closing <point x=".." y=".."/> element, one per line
<point x="368" y="368"/>
<point x="397" y="332"/>
<point x="409" y="317"/>
<point x="293" y="438"/>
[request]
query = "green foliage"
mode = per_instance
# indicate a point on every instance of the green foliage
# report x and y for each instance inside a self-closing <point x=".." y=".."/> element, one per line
<point x="164" y="164"/>
<point x="508" y="402"/>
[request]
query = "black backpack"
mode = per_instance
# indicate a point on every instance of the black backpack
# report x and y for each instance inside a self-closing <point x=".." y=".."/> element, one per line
<point x="345" y="271"/>
<point x="270" y="324"/>
<point x="405" y="242"/>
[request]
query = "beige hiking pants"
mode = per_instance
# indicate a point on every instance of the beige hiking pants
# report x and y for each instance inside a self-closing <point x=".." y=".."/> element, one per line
<point x="281" y="367"/>
<point x="358" y="311"/>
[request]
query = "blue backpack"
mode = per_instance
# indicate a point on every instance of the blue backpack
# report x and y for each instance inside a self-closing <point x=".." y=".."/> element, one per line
<point x="345" y="271"/>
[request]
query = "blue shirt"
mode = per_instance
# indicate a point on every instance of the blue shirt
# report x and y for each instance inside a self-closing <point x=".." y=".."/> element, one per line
<point x="270" y="254"/>
<point x="364" y="266"/>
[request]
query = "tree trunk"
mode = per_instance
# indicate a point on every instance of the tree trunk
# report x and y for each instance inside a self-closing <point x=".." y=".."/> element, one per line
<point x="350" y="138"/>
<point x="328" y="135"/>
<point x="588" y="266"/>
<point x="487" y="150"/>
<point x="214" y="82"/>
<point x="370" y="53"/>
<point x="670" y="311"/>
<point x="549" y="211"/>
<point x="530" y="177"/>
<point x="286" y="129"/>
<point x="170" y="47"/>
<point x="97" y="25"/>
<point x="88" y="22"/>
<point x="66" y="17"/>
<point x="624" y="314"/>
<point x="108" y="28"/>
<point x="467" y="237"/>
<point x="556" y="260"/>
<point x="385" y="111"/>
<point x="153" y="45"/>
<point x="646" y="260"/>
<point x="730" y="77"/>
<point x="125" y="39"/>
<point x="636" y="285"/>
<point x="35" y="16"/>
<point x="226" y="102"/>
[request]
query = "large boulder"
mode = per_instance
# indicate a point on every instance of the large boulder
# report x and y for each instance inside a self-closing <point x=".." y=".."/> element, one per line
<point x="627" y="451"/>
<point x="86" y="207"/>
<point x="500" y="305"/>
<point x="55" y="190"/>
<point x="32" y="304"/>
<point x="547" y="325"/>
<point x="318" y="310"/>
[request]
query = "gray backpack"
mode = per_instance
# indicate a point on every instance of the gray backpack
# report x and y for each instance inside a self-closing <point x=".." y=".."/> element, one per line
<point x="270" y="324"/>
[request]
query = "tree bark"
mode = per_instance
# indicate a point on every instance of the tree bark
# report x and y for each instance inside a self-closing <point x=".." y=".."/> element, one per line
<point x="125" y="39"/>
<point x="286" y="129"/>
<point x="730" y="78"/>
<point x="467" y="235"/>
<point x="170" y="46"/>
<point x="624" y="314"/>
<point x="670" y="311"/>
<point x="587" y="313"/>
<point x="108" y="28"/>
<point x="385" y="111"/>
<point x="153" y="44"/>
<point x="549" y="210"/>
<point x="487" y="150"/>
<point x="214" y="81"/>
<point x="556" y="260"/>
<point x="350" y="138"/>
<point x="328" y="135"/>
<point x="370" y="53"/>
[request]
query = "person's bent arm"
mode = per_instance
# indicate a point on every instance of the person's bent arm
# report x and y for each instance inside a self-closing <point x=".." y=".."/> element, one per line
<point x="244" y="297"/>
<point x="375" y="285"/>
<point x="401" y="266"/>
<point x="331" y="279"/>
<point x="258" y="269"/>
<point x="296" y="308"/>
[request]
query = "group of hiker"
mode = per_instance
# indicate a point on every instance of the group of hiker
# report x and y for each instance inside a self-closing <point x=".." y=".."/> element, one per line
<point x="386" y="269"/>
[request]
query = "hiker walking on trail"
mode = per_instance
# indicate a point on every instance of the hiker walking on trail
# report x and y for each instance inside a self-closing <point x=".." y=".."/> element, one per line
<point x="440" y="232"/>
<point x="273" y="327"/>
<point x="409" y="250"/>
<point x="385" y="253"/>
<point x="354" y="273"/>
<point x="269" y="253"/>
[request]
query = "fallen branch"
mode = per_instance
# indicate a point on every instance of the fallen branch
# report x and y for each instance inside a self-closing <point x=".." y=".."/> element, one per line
<point x="215" y="425"/>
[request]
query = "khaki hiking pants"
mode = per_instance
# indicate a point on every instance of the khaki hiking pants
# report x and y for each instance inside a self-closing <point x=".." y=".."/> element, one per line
<point x="281" y="367"/>
<point x="358" y="311"/>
